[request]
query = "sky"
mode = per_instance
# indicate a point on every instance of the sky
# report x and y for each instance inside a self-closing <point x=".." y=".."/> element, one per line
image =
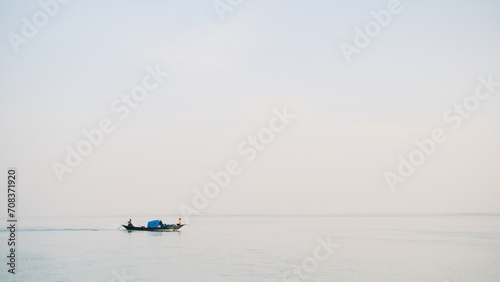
<point x="231" y="65"/>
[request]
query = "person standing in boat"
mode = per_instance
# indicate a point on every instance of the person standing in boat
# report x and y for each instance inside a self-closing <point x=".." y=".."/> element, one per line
<point x="130" y="223"/>
<point x="180" y="222"/>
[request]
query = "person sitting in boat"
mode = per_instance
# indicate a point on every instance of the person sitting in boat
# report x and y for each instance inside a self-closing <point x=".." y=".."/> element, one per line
<point x="180" y="222"/>
<point x="130" y="223"/>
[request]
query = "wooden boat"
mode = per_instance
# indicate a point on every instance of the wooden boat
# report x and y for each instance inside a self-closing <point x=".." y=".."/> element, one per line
<point x="164" y="227"/>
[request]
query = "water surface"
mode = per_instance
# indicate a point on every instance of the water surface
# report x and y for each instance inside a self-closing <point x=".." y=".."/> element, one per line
<point x="259" y="248"/>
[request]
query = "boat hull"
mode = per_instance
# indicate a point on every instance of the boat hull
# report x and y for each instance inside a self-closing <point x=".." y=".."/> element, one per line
<point x="157" y="229"/>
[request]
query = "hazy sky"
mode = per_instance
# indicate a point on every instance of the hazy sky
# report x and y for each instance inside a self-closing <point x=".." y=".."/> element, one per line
<point x="352" y="120"/>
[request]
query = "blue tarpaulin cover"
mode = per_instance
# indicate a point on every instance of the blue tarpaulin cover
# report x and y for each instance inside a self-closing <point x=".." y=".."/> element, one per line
<point x="154" y="223"/>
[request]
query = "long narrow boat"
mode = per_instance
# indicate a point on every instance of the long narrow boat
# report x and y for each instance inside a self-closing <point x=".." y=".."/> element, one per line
<point x="164" y="227"/>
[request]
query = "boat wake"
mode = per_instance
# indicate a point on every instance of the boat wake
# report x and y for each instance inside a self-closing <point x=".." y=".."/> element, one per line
<point x="62" y="229"/>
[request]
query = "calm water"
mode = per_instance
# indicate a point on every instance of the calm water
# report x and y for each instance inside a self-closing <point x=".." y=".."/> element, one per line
<point x="259" y="248"/>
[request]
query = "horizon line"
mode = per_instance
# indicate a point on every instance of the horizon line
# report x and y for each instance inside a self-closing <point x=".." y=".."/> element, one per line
<point x="274" y="214"/>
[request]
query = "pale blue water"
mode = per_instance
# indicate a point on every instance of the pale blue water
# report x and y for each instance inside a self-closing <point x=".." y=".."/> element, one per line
<point x="259" y="248"/>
